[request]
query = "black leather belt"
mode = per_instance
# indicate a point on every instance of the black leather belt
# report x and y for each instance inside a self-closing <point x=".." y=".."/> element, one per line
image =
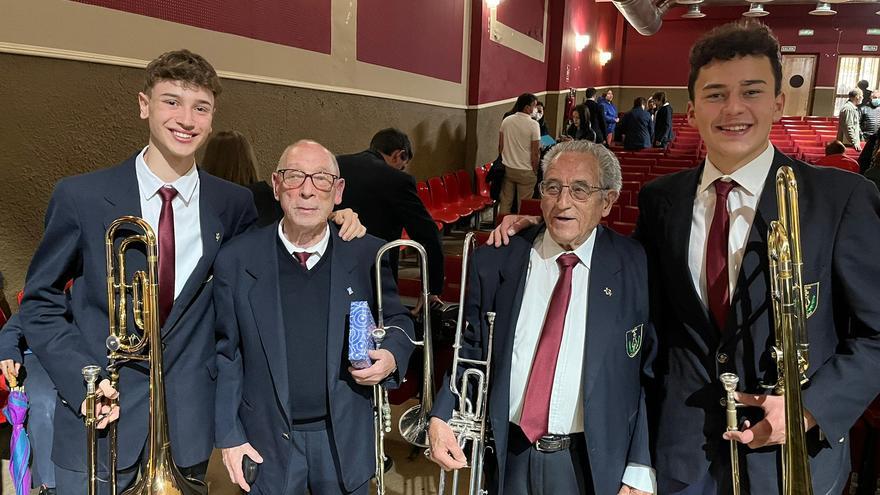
<point x="553" y="443"/>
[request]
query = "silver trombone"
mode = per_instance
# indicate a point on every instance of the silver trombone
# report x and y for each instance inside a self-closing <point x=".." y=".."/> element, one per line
<point x="468" y="421"/>
<point x="414" y="421"/>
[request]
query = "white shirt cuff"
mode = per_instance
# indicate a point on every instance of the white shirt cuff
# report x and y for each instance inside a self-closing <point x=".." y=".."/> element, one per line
<point x="640" y="477"/>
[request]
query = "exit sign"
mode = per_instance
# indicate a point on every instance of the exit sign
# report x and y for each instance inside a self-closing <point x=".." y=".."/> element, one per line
<point x="805" y="32"/>
<point x="873" y="32"/>
<point x="869" y="48"/>
<point x="788" y="48"/>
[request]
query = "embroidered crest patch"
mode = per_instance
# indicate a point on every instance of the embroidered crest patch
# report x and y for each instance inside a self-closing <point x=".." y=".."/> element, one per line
<point x="634" y="341"/>
<point x="811" y="298"/>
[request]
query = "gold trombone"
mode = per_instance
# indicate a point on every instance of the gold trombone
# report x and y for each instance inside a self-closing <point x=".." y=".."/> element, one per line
<point x="468" y="421"/>
<point x="159" y="475"/>
<point x="414" y="421"/>
<point x="791" y="349"/>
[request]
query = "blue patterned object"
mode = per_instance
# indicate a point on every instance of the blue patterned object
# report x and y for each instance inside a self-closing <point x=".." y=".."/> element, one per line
<point x="19" y="446"/>
<point x="360" y="336"/>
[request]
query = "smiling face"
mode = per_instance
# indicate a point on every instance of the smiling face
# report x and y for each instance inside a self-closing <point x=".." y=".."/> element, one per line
<point x="570" y="222"/>
<point x="305" y="207"/>
<point x="734" y="107"/>
<point x="179" y="117"/>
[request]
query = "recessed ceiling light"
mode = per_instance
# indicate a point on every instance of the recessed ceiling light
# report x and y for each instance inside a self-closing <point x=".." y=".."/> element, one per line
<point x="823" y="8"/>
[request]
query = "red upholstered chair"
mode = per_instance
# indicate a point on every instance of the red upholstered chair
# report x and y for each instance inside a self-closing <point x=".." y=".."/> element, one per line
<point x="530" y="207"/>
<point x="467" y="194"/>
<point x="440" y="215"/>
<point x="675" y="163"/>
<point x="446" y="213"/>
<point x="482" y="186"/>
<point x="453" y="197"/>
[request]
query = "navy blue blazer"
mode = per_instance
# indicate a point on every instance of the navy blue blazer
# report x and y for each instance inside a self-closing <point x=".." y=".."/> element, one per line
<point x="663" y="125"/>
<point x="840" y="234"/>
<point x="68" y="333"/>
<point x="253" y="388"/>
<point x="637" y="128"/>
<point x="615" y="421"/>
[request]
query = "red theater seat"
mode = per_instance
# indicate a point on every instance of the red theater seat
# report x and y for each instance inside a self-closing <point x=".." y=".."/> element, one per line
<point x="466" y="192"/>
<point x="438" y="213"/>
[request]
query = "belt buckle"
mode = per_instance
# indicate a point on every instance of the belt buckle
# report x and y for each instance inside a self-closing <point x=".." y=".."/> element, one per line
<point x="552" y="443"/>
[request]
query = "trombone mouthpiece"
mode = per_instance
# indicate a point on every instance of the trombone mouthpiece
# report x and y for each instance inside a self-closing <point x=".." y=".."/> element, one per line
<point x="490" y="316"/>
<point x="90" y="373"/>
<point x="730" y="381"/>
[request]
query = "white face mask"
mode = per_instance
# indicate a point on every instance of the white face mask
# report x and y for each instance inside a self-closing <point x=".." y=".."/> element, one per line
<point x="537" y="115"/>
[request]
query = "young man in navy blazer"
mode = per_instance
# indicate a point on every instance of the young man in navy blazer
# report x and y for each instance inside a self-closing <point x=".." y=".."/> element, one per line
<point x="572" y="343"/>
<point x="287" y="396"/>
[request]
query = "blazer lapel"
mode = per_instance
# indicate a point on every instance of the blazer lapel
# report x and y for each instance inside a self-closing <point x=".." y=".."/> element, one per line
<point x="602" y="310"/>
<point x="211" y="209"/>
<point x="123" y="195"/>
<point x="265" y="302"/>
<point x="343" y="258"/>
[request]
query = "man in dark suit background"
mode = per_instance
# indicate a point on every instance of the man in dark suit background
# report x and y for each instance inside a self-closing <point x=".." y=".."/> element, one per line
<point x="287" y="397"/>
<point x="192" y="213"/>
<point x="566" y="404"/>
<point x="597" y="115"/>
<point x="663" y="134"/>
<point x="637" y="127"/>
<point x="385" y="198"/>
<point x="705" y="234"/>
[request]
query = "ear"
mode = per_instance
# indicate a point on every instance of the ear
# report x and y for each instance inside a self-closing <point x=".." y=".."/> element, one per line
<point x="144" y="105"/>
<point x="690" y="114"/>
<point x="608" y="201"/>
<point x="340" y="186"/>
<point x="778" y="106"/>
<point x="276" y="186"/>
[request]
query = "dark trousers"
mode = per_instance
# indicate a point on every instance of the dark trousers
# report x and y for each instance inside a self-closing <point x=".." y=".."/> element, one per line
<point x="530" y="472"/>
<point x="314" y="465"/>
<point x="41" y="414"/>
<point x="76" y="482"/>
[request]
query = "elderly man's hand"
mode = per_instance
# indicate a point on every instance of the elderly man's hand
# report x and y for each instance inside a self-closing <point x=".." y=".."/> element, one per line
<point x="771" y="429"/>
<point x="10" y="370"/>
<point x="383" y="365"/>
<point x="628" y="490"/>
<point x="510" y="225"/>
<point x="349" y="224"/>
<point x="444" y="448"/>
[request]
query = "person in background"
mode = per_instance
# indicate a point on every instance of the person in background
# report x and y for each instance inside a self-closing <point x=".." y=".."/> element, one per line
<point x="518" y="144"/>
<point x="869" y="120"/>
<point x="663" y="134"/>
<point x="597" y="115"/>
<point x="835" y="156"/>
<point x="609" y="111"/>
<point x="637" y="127"/>
<point x="539" y="116"/>
<point x="580" y="125"/>
<point x="848" y="131"/>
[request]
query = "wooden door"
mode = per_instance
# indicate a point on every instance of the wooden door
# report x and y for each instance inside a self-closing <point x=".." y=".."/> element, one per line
<point x="797" y="83"/>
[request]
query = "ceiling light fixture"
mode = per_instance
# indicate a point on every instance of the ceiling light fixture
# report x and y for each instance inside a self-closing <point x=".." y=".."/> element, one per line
<point x="581" y="41"/>
<point x="604" y="57"/>
<point x="693" y="12"/>
<point x="823" y="8"/>
<point x="755" y="10"/>
<point x="492" y="3"/>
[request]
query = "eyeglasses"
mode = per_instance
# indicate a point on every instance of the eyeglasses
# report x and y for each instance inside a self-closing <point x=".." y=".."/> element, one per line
<point x="580" y="191"/>
<point x="323" y="181"/>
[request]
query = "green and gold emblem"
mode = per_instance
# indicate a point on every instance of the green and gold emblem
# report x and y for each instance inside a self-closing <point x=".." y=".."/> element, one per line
<point x="634" y="341"/>
<point x="811" y="298"/>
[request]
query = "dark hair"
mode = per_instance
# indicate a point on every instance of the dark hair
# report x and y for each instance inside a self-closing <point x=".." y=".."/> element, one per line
<point x="525" y="100"/>
<point x="583" y="129"/>
<point x="732" y="40"/>
<point x="184" y="66"/>
<point x="229" y="155"/>
<point x="591" y="92"/>
<point x="863" y="84"/>
<point x="855" y="92"/>
<point x="660" y="98"/>
<point x="835" y="148"/>
<point x="389" y="140"/>
<point x="639" y="102"/>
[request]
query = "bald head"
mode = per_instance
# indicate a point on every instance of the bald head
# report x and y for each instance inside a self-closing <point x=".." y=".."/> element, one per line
<point x="306" y="149"/>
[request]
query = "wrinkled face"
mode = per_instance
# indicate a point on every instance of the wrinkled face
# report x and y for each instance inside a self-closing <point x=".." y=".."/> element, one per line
<point x="179" y="117"/>
<point x="305" y="206"/>
<point x="570" y="222"/>
<point x="734" y="108"/>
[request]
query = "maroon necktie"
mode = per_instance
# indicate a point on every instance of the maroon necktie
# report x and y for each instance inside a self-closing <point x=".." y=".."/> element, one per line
<point x="717" y="278"/>
<point x="303" y="257"/>
<point x="536" y="404"/>
<point x="166" y="253"/>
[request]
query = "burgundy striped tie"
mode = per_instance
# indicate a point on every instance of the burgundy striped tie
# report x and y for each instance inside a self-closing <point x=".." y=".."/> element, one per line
<point x="303" y="258"/>
<point x="717" y="278"/>
<point x="536" y="403"/>
<point x="166" y="253"/>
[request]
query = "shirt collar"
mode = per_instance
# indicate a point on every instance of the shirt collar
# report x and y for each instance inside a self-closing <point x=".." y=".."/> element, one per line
<point x="750" y="177"/>
<point x="150" y="184"/>
<point x="548" y="249"/>
<point x="318" y="249"/>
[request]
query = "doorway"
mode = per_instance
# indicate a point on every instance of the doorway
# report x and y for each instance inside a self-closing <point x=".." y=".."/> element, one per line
<point x="797" y="83"/>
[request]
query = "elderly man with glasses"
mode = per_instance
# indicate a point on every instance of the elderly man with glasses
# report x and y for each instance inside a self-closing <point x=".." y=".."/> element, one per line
<point x="287" y="397"/>
<point x="572" y="343"/>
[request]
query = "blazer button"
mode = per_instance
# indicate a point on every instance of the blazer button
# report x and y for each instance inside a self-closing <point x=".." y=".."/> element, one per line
<point x="722" y="358"/>
<point x="285" y="435"/>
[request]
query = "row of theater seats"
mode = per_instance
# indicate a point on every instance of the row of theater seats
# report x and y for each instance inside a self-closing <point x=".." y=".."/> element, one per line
<point x="453" y="196"/>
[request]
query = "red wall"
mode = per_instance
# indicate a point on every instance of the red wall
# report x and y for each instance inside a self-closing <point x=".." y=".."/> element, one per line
<point x="662" y="59"/>
<point x="420" y="37"/>
<point x="526" y="16"/>
<point x="302" y="24"/>
<point x="582" y="69"/>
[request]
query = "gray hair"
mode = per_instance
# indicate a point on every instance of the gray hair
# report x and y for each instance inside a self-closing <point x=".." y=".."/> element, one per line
<point x="332" y="157"/>
<point x="610" y="176"/>
<point x="855" y="92"/>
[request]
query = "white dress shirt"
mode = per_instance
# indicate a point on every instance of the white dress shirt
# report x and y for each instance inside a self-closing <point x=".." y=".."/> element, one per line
<point x="742" y="203"/>
<point x="317" y="250"/>
<point x="187" y="226"/>
<point x="566" y="405"/>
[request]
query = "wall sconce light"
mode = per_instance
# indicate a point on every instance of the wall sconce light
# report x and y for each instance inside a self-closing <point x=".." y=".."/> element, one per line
<point x="492" y="3"/>
<point x="604" y="57"/>
<point x="581" y="41"/>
